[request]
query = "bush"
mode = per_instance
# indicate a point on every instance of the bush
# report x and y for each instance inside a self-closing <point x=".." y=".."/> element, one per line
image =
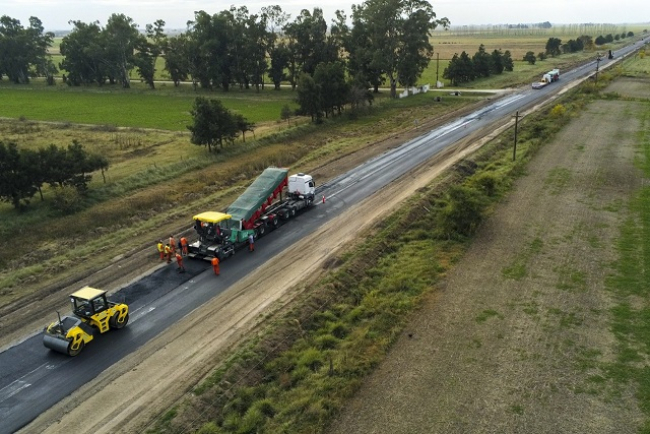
<point x="488" y="182"/>
<point x="558" y="111"/>
<point x="67" y="200"/>
<point x="463" y="213"/>
<point x="311" y="358"/>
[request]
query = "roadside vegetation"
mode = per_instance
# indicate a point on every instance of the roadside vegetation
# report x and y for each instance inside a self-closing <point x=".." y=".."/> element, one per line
<point x="300" y="372"/>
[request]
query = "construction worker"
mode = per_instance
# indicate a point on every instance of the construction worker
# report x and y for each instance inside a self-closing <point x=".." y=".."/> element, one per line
<point x="251" y="243"/>
<point x="161" y="250"/>
<point x="215" y="265"/>
<point x="179" y="261"/>
<point x="168" y="253"/>
<point x="172" y="243"/>
<point x="184" y="245"/>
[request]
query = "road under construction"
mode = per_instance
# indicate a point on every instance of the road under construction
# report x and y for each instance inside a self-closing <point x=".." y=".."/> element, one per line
<point x="34" y="380"/>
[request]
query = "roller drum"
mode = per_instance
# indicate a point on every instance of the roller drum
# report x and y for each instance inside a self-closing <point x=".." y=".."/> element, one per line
<point x="60" y="345"/>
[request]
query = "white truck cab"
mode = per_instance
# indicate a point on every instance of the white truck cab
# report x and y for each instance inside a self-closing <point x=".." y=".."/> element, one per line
<point x="302" y="185"/>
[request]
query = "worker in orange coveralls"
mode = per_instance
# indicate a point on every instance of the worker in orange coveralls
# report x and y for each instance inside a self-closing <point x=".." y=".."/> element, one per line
<point x="184" y="245"/>
<point x="161" y="250"/>
<point x="215" y="265"/>
<point x="179" y="260"/>
<point x="172" y="243"/>
<point x="168" y="253"/>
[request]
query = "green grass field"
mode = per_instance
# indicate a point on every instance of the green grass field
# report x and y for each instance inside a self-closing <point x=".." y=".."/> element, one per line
<point x="167" y="108"/>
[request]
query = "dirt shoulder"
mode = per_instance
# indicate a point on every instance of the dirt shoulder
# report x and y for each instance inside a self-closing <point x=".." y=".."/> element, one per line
<point x="503" y="344"/>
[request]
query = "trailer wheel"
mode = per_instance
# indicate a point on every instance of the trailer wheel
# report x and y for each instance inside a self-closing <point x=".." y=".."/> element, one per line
<point x="293" y="212"/>
<point x="275" y="221"/>
<point x="261" y="230"/>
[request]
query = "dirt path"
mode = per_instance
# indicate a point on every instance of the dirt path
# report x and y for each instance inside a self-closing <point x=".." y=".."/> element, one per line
<point x="497" y="347"/>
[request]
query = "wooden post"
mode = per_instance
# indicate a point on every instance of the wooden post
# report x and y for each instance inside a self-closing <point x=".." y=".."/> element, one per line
<point x="514" y="149"/>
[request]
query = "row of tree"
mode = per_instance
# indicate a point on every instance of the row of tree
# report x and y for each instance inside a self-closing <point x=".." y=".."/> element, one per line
<point x="23" y="172"/>
<point x="388" y="41"/>
<point x="463" y="69"/>
<point x="608" y="39"/>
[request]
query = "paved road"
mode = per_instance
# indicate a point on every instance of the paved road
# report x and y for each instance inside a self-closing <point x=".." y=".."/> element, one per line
<point x="32" y="379"/>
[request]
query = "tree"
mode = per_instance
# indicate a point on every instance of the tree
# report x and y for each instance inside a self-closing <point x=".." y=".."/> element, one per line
<point x="285" y="113"/>
<point x="482" y="62"/>
<point x="121" y="39"/>
<point x="309" y="97"/>
<point x="332" y="87"/>
<point x="497" y="62"/>
<point x="177" y="61"/>
<point x="587" y="42"/>
<point x="23" y="51"/>
<point x="83" y="54"/>
<point x="213" y="124"/>
<point x="600" y="40"/>
<point x="16" y="175"/>
<point x="244" y="125"/>
<point x="460" y="69"/>
<point x="398" y="33"/>
<point x="148" y="50"/>
<point x="279" y="62"/>
<point x="508" y="64"/>
<point x="359" y="94"/>
<point x="530" y="58"/>
<point x="553" y="47"/>
<point x="541" y="56"/>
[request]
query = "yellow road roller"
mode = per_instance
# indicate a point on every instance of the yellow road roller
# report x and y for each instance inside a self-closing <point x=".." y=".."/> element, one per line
<point x="92" y="314"/>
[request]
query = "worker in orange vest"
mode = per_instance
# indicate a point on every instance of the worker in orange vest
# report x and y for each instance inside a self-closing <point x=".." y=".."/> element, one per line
<point x="179" y="260"/>
<point x="172" y="243"/>
<point x="168" y="253"/>
<point x="215" y="265"/>
<point x="161" y="250"/>
<point x="184" y="245"/>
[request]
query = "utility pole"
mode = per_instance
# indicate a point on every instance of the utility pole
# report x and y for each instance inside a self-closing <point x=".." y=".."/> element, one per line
<point x="514" y="149"/>
<point x="597" y="65"/>
<point x="437" y="67"/>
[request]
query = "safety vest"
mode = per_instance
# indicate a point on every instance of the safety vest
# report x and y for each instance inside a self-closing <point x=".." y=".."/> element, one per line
<point x="161" y="247"/>
<point x="179" y="258"/>
<point x="168" y="249"/>
<point x="215" y="261"/>
<point x="183" y="241"/>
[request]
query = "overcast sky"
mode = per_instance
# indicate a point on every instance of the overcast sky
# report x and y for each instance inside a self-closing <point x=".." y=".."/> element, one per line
<point x="55" y="14"/>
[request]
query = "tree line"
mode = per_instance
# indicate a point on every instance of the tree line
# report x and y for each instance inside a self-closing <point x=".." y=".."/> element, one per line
<point x="388" y="42"/>
<point x="463" y="69"/>
<point x="554" y="46"/>
<point x="23" y="172"/>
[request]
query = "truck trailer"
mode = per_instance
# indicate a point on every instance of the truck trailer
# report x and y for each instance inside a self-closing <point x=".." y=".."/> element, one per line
<point x="270" y="200"/>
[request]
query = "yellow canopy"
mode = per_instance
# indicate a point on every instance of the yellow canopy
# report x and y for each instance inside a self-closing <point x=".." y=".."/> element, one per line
<point x="212" y="217"/>
<point x="88" y="293"/>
